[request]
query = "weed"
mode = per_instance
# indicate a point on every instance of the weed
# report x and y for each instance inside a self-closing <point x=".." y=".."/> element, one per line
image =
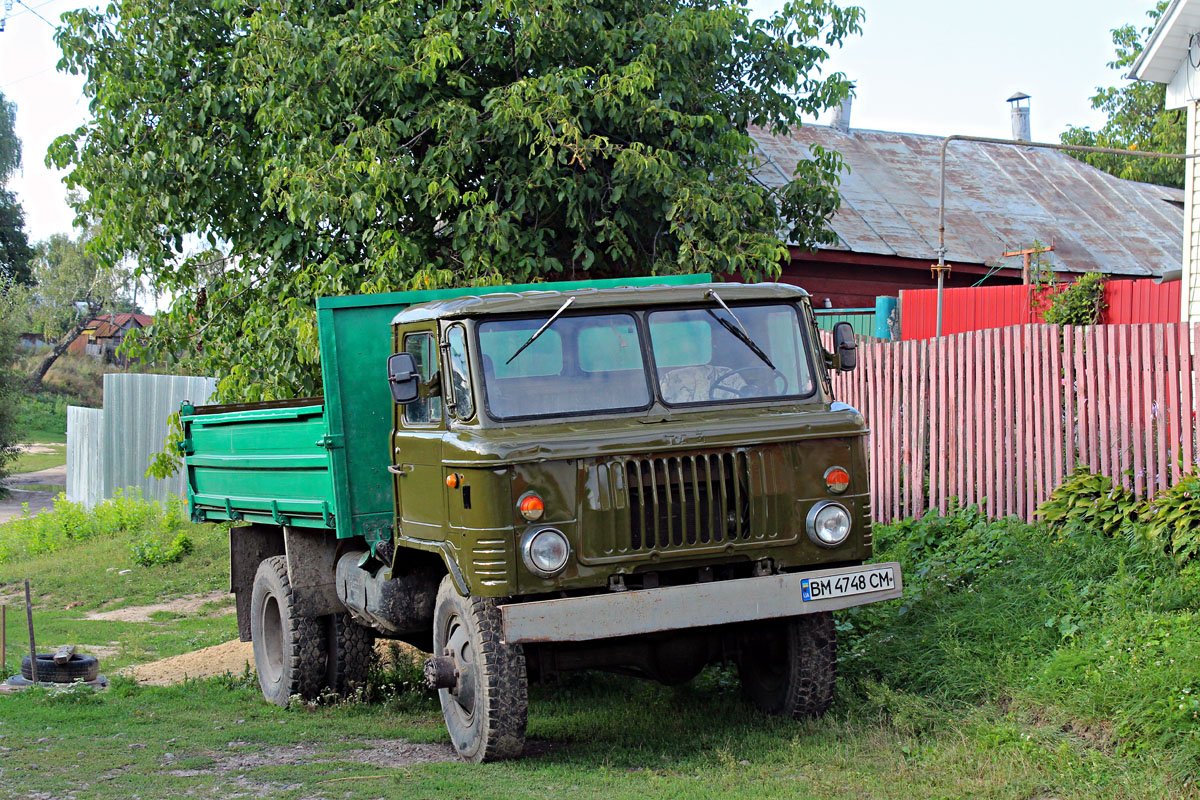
<point x="70" y="523"/>
<point x="1070" y="618"/>
<point x="149" y="551"/>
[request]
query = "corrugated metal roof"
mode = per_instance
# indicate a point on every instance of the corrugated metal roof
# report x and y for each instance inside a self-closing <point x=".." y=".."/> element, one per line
<point x="998" y="198"/>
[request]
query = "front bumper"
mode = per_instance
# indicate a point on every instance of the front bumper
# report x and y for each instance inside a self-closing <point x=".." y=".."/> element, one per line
<point x="671" y="608"/>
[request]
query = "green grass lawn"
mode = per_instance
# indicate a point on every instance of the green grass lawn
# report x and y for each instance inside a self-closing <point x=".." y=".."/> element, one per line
<point x="1019" y="664"/>
<point x="43" y="417"/>
<point x="87" y="577"/>
<point x="32" y="462"/>
<point x="597" y="737"/>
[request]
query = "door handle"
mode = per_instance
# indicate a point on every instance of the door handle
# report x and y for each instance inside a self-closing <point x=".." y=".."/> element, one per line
<point x="399" y="469"/>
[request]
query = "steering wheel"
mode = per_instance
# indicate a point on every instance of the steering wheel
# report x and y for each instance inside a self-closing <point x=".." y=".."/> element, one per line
<point x="775" y="377"/>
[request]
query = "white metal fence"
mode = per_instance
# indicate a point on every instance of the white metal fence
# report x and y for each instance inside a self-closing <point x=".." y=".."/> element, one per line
<point x="109" y="449"/>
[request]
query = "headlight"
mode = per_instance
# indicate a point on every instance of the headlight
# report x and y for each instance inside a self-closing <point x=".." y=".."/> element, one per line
<point x="545" y="552"/>
<point x="828" y="524"/>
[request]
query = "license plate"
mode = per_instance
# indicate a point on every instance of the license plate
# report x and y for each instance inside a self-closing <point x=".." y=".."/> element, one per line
<point x="871" y="580"/>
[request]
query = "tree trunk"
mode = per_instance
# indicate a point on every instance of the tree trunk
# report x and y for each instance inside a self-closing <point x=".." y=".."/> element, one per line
<point x="33" y="383"/>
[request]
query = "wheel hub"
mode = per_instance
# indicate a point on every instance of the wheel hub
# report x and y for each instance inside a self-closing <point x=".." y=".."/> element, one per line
<point x="459" y="651"/>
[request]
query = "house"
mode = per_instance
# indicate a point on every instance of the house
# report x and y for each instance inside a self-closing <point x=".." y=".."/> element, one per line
<point x="102" y="337"/>
<point x="1000" y="199"/>
<point x="33" y="341"/>
<point x="1171" y="56"/>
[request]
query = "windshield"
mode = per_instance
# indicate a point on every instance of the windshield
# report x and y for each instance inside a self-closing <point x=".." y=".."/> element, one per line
<point x="701" y="360"/>
<point x="579" y="365"/>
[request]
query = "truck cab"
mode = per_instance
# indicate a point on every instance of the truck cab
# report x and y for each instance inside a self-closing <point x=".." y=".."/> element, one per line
<point x="639" y="478"/>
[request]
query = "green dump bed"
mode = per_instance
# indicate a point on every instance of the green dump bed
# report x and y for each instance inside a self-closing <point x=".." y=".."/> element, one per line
<point x="260" y="463"/>
<point x="322" y="462"/>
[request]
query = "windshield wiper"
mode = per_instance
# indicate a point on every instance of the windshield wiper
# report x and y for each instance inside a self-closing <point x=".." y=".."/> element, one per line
<point x="541" y="330"/>
<point x="739" y="331"/>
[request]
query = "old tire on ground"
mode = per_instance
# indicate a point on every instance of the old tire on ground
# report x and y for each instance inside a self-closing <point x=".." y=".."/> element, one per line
<point x="485" y="712"/>
<point x="789" y="668"/>
<point x="349" y="648"/>
<point x="78" y="668"/>
<point x="289" y="649"/>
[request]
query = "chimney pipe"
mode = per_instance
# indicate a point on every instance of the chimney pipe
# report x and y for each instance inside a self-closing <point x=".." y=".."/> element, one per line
<point x="1020" y="117"/>
<point x="841" y="114"/>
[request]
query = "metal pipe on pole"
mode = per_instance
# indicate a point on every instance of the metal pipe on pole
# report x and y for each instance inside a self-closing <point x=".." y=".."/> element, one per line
<point x="941" y="267"/>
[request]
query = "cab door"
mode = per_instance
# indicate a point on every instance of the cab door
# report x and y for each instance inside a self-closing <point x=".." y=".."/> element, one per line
<point x="417" y="444"/>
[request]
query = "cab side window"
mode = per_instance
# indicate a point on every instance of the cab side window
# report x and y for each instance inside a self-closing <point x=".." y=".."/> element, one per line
<point x="424" y="410"/>
<point x="460" y="376"/>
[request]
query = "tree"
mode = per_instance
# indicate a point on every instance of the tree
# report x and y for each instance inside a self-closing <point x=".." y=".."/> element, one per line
<point x="71" y="288"/>
<point x="9" y="384"/>
<point x="346" y="147"/>
<point x="1137" y="119"/>
<point x="15" y="252"/>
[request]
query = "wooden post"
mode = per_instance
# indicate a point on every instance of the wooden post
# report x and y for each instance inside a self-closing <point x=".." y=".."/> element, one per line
<point x="3" y="638"/>
<point x="32" y="647"/>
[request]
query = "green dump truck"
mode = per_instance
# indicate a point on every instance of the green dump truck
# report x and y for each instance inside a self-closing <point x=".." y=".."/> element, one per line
<point x="644" y="476"/>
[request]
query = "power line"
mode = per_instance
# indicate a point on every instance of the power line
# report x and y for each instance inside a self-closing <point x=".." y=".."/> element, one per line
<point x="28" y="10"/>
<point x="26" y="77"/>
<point x="36" y="14"/>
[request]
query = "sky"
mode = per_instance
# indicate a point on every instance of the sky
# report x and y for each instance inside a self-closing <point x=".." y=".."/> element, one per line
<point x="921" y="66"/>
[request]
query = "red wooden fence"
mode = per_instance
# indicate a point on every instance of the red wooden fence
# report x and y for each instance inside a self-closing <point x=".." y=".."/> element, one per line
<point x="1000" y="417"/>
<point x="983" y="307"/>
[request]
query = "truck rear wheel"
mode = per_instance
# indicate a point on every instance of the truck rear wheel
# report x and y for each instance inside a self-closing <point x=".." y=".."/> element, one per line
<point x="485" y="711"/>
<point x="790" y="668"/>
<point x="349" y="647"/>
<point x="289" y="649"/>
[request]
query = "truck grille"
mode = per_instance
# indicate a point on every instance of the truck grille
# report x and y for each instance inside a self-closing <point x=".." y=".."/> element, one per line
<point x="688" y="500"/>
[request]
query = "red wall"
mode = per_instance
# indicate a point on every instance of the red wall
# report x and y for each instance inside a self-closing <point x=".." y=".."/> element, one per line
<point x="975" y="309"/>
<point x="851" y="280"/>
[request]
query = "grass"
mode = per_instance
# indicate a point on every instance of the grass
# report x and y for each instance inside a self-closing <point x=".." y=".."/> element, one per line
<point x="1020" y="664"/>
<point x="32" y="462"/>
<point x="87" y="576"/>
<point x="597" y="737"/>
<point x="43" y="417"/>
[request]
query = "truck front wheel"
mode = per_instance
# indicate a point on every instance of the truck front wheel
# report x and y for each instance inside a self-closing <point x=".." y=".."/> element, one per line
<point x="485" y="711"/>
<point x="289" y="649"/>
<point x="789" y="668"/>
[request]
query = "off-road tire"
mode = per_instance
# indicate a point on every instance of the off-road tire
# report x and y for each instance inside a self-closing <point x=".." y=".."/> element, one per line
<point x="78" y="668"/>
<point x="789" y="668"/>
<point x="494" y="726"/>
<point x="350" y="647"/>
<point x="289" y="649"/>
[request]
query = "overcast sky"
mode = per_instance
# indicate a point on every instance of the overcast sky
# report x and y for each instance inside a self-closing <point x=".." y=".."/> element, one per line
<point x="922" y="66"/>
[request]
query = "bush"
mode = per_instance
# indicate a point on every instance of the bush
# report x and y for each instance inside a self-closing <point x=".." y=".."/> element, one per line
<point x="1172" y="519"/>
<point x="1086" y="501"/>
<point x="150" y="552"/>
<point x="69" y="523"/>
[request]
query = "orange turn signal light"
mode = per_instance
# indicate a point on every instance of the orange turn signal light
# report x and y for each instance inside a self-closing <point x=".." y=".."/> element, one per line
<point x="837" y="480"/>
<point x="454" y="480"/>
<point x="531" y="507"/>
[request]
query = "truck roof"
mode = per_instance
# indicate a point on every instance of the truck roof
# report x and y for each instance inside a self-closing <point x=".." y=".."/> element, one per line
<point x="618" y="297"/>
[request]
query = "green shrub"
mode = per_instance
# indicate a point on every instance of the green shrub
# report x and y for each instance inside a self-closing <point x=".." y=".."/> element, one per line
<point x="1086" y="501"/>
<point x="149" y="551"/>
<point x="1172" y="519"/>
<point x="69" y="523"/>
<point x="1079" y="303"/>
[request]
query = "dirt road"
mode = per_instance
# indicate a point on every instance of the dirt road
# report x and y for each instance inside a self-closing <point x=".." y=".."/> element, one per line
<point x="38" y="500"/>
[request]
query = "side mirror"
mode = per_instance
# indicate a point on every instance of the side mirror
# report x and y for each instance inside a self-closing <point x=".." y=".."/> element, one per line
<point x="844" y="346"/>
<point x="403" y="378"/>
